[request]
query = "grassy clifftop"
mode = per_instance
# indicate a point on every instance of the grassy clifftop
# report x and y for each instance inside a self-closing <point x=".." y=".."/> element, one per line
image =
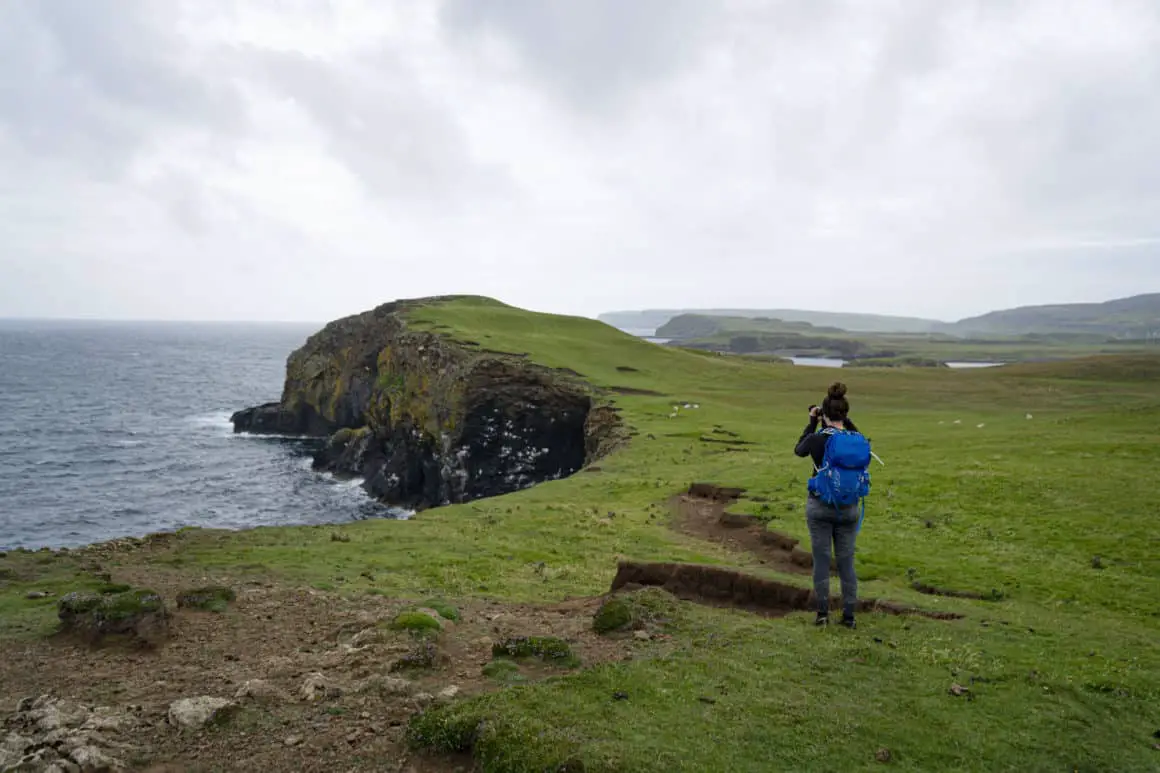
<point x="1031" y="487"/>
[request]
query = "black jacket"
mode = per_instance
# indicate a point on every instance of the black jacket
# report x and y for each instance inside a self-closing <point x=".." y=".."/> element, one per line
<point x="813" y="443"/>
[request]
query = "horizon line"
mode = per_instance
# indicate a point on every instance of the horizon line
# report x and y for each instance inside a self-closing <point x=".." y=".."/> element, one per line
<point x="145" y="320"/>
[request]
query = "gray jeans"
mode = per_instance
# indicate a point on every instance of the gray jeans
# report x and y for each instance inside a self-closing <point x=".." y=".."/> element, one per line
<point x="829" y="525"/>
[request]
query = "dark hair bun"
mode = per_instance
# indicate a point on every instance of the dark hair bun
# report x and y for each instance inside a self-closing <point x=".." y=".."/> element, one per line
<point x="837" y="391"/>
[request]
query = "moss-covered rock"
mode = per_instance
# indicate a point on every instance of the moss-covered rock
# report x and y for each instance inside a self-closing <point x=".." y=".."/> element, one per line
<point x="415" y="620"/>
<point x="214" y="598"/>
<point x="638" y="609"/>
<point x="613" y="615"/>
<point x="424" y="654"/>
<point x="428" y="421"/>
<point x="139" y="614"/>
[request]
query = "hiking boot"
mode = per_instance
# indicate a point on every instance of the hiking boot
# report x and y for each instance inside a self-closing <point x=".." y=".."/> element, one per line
<point x="848" y="621"/>
<point x="822" y="619"/>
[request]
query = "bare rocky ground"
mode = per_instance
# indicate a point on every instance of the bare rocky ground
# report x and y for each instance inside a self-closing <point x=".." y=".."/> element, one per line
<point x="284" y="680"/>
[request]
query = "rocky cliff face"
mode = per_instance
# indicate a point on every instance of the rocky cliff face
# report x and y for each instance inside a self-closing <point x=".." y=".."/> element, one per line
<point x="427" y="421"/>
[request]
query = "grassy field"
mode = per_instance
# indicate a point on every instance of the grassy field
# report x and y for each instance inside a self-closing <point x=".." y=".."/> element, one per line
<point x="1031" y="483"/>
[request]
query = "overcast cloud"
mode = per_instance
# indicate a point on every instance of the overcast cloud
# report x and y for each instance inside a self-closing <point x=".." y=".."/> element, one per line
<point x="306" y="159"/>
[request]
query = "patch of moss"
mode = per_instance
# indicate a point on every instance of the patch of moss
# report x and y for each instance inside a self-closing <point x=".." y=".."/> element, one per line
<point x="546" y="648"/>
<point x="214" y="598"/>
<point x="445" y="610"/>
<point x="341" y="437"/>
<point x="613" y="615"/>
<point x="123" y="606"/>
<point x="111" y="588"/>
<point x="415" y="621"/>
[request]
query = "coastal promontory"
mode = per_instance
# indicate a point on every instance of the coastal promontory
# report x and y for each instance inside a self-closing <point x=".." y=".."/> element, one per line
<point x="429" y="420"/>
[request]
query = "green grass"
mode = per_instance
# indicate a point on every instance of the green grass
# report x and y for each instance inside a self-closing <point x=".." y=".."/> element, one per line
<point x="443" y="608"/>
<point x="548" y="649"/>
<point x="1065" y="667"/>
<point x="740" y="693"/>
<point x="503" y="672"/>
<point x="55" y="574"/>
<point x="415" y="621"/>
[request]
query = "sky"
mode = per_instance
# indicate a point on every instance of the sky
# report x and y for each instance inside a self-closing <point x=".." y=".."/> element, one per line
<point x="309" y="159"/>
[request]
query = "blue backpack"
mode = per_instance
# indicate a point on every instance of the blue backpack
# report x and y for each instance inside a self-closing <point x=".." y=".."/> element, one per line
<point x="844" y="477"/>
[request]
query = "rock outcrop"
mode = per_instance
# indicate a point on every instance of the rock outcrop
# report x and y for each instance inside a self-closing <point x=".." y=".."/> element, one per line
<point x="196" y="713"/>
<point x="428" y="421"/>
<point x="138" y="614"/>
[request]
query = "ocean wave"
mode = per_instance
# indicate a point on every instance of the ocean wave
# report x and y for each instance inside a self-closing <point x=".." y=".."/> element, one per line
<point x="275" y="436"/>
<point x="95" y="449"/>
<point x="216" y="420"/>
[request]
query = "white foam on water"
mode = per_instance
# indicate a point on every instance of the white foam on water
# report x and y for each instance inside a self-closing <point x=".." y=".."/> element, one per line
<point x="217" y="420"/>
<point x="272" y="436"/>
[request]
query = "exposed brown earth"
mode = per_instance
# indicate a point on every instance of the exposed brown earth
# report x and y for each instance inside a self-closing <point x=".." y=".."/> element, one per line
<point x="701" y="513"/>
<point x="721" y="586"/>
<point x="310" y="676"/>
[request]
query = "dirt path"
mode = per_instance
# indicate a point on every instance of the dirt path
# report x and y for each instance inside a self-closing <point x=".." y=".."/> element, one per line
<point x="702" y="512"/>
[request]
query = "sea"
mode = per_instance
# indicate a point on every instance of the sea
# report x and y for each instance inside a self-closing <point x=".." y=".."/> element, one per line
<point x="111" y="430"/>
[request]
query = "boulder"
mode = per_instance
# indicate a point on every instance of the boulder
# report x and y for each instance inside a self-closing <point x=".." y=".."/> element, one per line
<point x="136" y="613"/>
<point x="261" y="691"/>
<point x="388" y="686"/>
<point x="317" y="686"/>
<point x="90" y="759"/>
<point x="428" y="421"/>
<point x="196" y="713"/>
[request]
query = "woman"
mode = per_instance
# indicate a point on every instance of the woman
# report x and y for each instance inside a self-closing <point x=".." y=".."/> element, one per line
<point x="826" y="523"/>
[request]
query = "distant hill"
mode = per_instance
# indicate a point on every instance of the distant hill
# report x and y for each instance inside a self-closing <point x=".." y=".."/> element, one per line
<point x="1135" y="318"/>
<point x="858" y="323"/>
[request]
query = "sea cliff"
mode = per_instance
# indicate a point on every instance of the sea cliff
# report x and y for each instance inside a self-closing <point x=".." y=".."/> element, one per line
<point x="427" y="420"/>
